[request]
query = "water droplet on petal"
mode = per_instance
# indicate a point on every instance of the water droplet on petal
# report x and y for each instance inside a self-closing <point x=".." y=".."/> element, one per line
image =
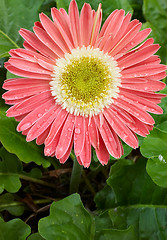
<point x="39" y="115"/>
<point x="77" y="130"/>
<point x="26" y="125"/>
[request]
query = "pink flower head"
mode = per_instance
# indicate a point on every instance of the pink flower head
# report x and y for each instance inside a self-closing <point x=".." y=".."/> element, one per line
<point x="85" y="86"/>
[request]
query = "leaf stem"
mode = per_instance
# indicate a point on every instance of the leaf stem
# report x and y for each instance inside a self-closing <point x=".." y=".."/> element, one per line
<point x="75" y="176"/>
<point x="35" y="180"/>
<point x="91" y="189"/>
<point x="31" y="179"/>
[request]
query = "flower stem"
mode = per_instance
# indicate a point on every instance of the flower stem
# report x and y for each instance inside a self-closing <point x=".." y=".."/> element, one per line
<point x="75" y="176"/>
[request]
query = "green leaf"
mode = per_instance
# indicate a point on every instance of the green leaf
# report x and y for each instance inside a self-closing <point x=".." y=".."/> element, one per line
<point x="105" y="198"/>
<point x="106" y="234"/>
<point x="8" y="203"/>
<point x="132" y="185"/>
<point x="35" y="236"/>
<point x="9" y="168"/>
<point x="162" y="126"/>
<point x="140" y="202"/>
<point x="149" y="222"/>
<point x="155" y="144"/>
<point x="63" y="4"/>
<point x="155" y="14"/>
<point x="15" y="14"/>
<point x="157" y="169"/>
<point x="68" y="220"/>
<point x="15" y="229"/>
<point x="110" y="5"/>
<point x="16" y="143"/>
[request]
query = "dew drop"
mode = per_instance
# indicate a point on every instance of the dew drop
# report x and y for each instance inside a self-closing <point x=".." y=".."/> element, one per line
<point x="39" y="115"/>
<point x="69" y="129"/>
<point x="77" y="130"/>
<point x="26" y="125"/>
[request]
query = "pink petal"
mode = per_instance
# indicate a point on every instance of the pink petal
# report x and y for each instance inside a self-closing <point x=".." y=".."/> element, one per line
<point x="108" y="137"/>
<point x="141" y="102"/>
<point x="53" y="32"/>
<point x="121" y="31"/>
<point x="106" y="23"/>
<point x="25" y="92"/>
<point x="67" y="154"/>
<point x="58" y="122"/>
<point x="29" y="104"/>
<point x="27" y="46"/>
<point x="24" y="73"/>
<point x="64" y="13"/>
<point x="51" y="147"/>
<point x="120" y="128"/>
<point x="19" y="83"/>
<point x="36" y="43"/>
<point x="43" y="123"/>
<point x="85" y="155"/>
<point x="74" y="23"/>
<point x="86" y="19"/>
<point x="102" y="152"/>
<point x="138" y="56"/>
<point x="127" y="38"/>
<point x="41" y="138"/>
<point x="140" y="36"/>
<point x="36" y="114"/>
<point x="96" y="26"/>
<point x="66" y="136"/>
<point x="157" y="76"/>
<point x="28" y="66"/>
<point x="79" y="134"/>
<point x="134" y="110"/>
<point x="32" y="56"/>
<point x="47" y="40"/>
<point x="115" y="24"/>
<point x="145" y="85"/>
<point x="63" y="27"/>
<point x="143" y="70"/>
<point x="93" y="134"/>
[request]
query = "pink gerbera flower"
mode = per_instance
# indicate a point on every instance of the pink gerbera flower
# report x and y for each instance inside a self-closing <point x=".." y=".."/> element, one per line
<point x="85" y="86"/>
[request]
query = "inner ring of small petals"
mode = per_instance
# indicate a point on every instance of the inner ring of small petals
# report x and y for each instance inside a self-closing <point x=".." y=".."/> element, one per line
<point x="85" y="81"/>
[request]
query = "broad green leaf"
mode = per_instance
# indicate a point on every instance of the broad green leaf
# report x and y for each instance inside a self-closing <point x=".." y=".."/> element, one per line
<point x="10" y="166"/>
<point x="16" y="143"/>
<point x="106" y="234"/>
<point x="155" y="14"/>
<point x="63" y="4"/>
<point x="16" y="14"/>
<point x="157" y="169"/>
<point x="149" y="222"/>
<point x="15" y="229"/>
<point x="155" y="144"/>
<point x="35" y="236"/>
<point x="110" y="5"/>
<point x="68" y="220"/>
<point x="8" y="203"/>
<point x="105" y="198"/>
<point x="106" y="231"/>
<point x="6" y="43"/>
<point x="162" y="126"/>
<point x="132" y="185"/>
<point x="140" y="202"/>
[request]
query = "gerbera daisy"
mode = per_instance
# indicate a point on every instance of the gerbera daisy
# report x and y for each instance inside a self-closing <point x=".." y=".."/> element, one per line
<point x="85" y="86"/>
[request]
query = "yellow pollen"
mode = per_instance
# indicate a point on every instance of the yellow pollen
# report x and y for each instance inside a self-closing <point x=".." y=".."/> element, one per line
<point x="85" y="81"/>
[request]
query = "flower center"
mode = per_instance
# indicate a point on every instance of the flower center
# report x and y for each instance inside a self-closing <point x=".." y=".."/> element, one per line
<point x="85" y="81"/>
